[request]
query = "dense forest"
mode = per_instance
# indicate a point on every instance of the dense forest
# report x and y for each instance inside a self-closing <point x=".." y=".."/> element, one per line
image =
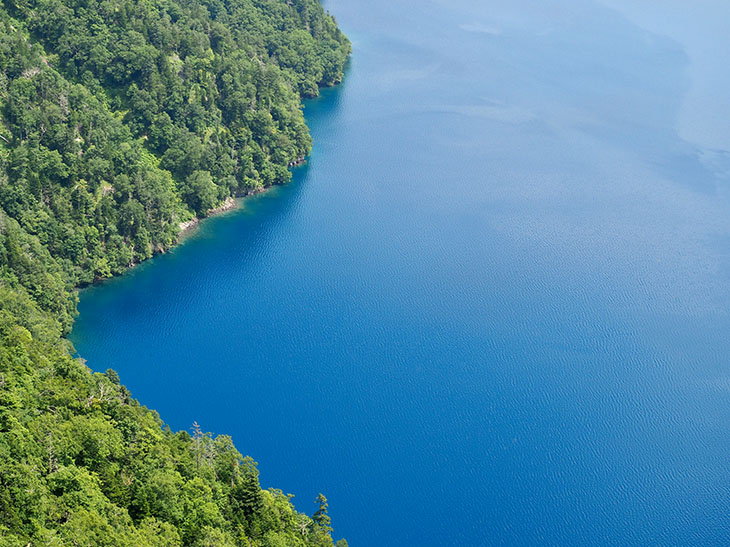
<point x="119" y="121"/>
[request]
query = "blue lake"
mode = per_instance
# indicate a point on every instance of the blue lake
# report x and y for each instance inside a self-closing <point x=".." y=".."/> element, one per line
<point x="494" y="307"/>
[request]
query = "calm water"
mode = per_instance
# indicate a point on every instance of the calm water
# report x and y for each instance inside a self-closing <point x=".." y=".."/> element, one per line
<point x="494" y="308"/>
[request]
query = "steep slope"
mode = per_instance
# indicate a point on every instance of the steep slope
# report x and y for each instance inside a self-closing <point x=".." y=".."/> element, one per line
<point x="118" y="121"/>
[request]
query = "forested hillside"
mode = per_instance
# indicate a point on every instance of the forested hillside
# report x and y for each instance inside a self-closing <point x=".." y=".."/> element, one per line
<point x="119" y="120"/>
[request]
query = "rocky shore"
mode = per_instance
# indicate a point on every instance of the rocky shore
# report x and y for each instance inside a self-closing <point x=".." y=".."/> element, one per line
<point x="227" y="205"/>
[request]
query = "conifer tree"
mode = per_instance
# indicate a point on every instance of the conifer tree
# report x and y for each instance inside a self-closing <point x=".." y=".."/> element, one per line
<point x="320" y="517"/>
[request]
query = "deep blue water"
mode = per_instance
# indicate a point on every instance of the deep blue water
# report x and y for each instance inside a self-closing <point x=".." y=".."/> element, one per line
<point x="494" y="307"/>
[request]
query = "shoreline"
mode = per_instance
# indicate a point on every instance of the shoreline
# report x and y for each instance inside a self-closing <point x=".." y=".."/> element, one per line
<point x="229" y="204"/>
<point x="187" y="228"/>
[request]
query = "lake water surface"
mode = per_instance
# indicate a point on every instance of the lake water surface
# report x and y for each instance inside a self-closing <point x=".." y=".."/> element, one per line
<point x="494" y="307"/>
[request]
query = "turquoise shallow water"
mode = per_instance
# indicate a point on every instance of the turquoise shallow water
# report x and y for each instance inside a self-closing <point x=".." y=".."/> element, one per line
<point x="494" y="306"/>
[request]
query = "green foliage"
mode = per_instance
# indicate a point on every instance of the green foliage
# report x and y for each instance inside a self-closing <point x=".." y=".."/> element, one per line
<point x="321" y="518"/>
<point x="82" y="463"/>
<point x="118" y="121"/>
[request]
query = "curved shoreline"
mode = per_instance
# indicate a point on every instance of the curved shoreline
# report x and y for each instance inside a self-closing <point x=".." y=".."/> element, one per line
<point x="229" y="204"/>
<point x="187" y="228"/>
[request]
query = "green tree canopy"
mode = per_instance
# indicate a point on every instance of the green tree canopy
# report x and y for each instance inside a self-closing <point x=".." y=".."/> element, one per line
<point x="119" y="120"/>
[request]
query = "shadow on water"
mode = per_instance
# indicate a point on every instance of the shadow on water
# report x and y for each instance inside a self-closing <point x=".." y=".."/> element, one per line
<point x="253" y="219"/>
